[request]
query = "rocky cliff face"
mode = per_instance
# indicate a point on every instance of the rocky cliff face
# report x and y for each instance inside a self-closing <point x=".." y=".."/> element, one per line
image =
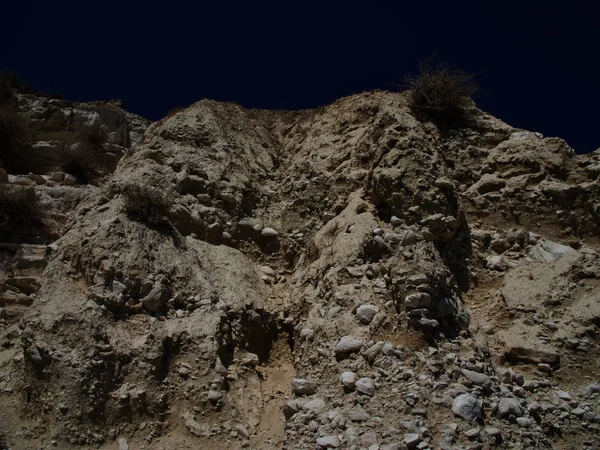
<point x="344" y="277"/>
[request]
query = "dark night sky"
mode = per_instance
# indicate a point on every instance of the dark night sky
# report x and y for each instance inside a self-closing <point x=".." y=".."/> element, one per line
<point x="538" y="61"/>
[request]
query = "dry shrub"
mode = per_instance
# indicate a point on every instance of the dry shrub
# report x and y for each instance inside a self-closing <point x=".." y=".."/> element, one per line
<point x="81" y="164"/>
<point x="85" y="160"/>
<point x="14" y="139"/>
<point x="441" y="93"/>
<point x="94" y="137"/>
<point x="13" y="132"/>
<point x="20" y="214"/>
<point x="146" y="204"/>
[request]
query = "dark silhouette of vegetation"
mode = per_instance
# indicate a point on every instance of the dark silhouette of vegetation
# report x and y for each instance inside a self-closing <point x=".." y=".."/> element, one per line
<point x="146" y="204"/>
<point x="85" y="160"/>
<point x="81" y="164"/>
<point x="20" y="214"/>
<point x="13" y="132"/>
<point x="6" y="93"/>
<point x="94" y="137"/>
<point x="441" y="93"/>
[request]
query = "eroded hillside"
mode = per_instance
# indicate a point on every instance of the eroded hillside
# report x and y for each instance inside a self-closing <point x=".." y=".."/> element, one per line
<point x="344" y="277"/>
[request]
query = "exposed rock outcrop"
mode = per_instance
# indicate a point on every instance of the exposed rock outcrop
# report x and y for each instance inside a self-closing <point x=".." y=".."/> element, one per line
<point x="344" y="277"/>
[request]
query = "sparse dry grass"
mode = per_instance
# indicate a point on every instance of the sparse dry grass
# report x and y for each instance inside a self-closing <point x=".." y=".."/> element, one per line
<point x="440" y="93"/>
<point x="146" y="204"/>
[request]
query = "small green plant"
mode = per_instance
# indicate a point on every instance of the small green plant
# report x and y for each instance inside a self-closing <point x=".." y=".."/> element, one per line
<point x="20" y="214"/>
<point x="146" y="204"/>
<point x="440" y="93"/>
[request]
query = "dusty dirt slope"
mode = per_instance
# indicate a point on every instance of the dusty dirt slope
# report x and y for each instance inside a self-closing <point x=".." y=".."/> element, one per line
<point x="344" y="277"/>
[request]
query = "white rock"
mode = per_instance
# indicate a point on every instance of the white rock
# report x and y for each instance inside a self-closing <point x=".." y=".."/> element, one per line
<point x="508" y="406"/>
<point x="348" y="344"/>
<point x="365" y="313"/>
<point x="328" y="442"/>
<point x="317" y="405"/>
<point x="214" y="396"/>
<point x="412" y="440"/>
<point x="395" y="221"/>
<point x="307" y="334"/>
<point x="365" y="386"/>
<point x="348" y="379"/>
<point x="269" y="232"/>
<point x="467" y="406"/>
<point x="303" y="387"/>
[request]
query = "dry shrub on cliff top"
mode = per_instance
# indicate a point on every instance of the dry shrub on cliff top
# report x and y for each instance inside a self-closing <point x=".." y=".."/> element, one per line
<point x="146" y="204"/>
<point x="440" y="93"/>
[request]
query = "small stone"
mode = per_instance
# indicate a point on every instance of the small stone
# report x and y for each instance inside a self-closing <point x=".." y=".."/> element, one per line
<point x="214" y="396"/>
<point x="412" y="440"/>
<point x="154" y="301"/>
<point x="365" y="313"/>
<point x="591" y="389"/>
<point x="303" y="387"/>
<point x="242" y="431"/>
<point x="348" y="379"/>
<point x="524" y="422"/>
<point x="543" y="367"/>
<point x="269" y="232"/>
<point x="369" y="440"/>
<point x="507" y="406"/>
<point x="348" y="344"/>
<point x="395" y="221"/>
<point x="250" y="359"/>
<point x="472" y="433"/>
<point x="563" y="395"/>
<point x="316" y="405"/>
<point x="123" y="445"/>
<point x="365" y="386"/>
<point x="334" y="311"/>
<point x="228" y="197"/>
<point x="307" y="334"/>
<point x="478" y="379"/>
<point x="357" y="414"/>
<point x="467" y="406"/>
<point x="328" y="442"/>
<point x="418" y="300"/>
<point x="373" y="351"/>
<point x="493" y="432"/>
<point x="534" y="407"/>
<point x="290" y="408"/>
